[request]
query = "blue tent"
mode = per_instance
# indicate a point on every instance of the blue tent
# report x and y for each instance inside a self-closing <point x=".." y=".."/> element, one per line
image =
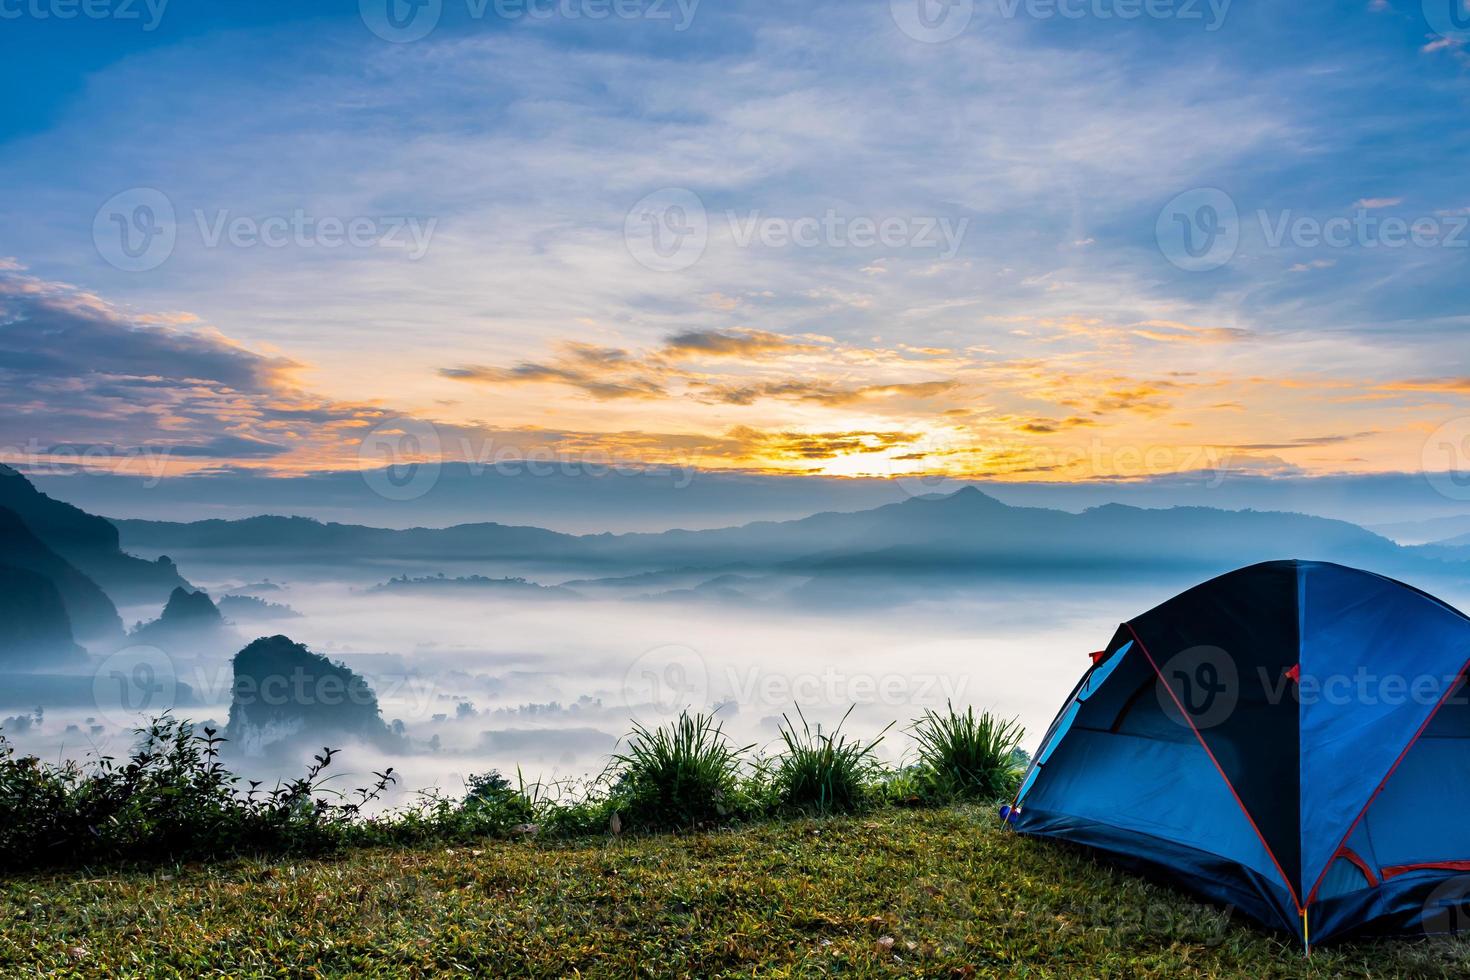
<point x="1292" y="739"/>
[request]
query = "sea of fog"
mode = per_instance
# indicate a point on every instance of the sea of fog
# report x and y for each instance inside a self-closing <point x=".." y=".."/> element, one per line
<point x="546" y="687"/>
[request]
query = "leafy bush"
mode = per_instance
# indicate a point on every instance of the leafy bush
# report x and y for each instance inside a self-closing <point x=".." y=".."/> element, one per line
<point x="825" y="773"/>
<point x="491" y="807"/>
<point x="967" y="756"/>
<point x="171" y="800"/>
<point x="681" y="775"/>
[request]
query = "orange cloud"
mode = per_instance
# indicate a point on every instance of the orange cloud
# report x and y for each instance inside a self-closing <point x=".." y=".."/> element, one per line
<point x="1451" y="385"/>
<point x="732" y="343"/>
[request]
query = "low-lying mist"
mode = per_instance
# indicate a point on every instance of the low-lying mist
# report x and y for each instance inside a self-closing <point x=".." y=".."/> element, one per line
<point x="474" y="679"/>
<point x="548" y="686"/>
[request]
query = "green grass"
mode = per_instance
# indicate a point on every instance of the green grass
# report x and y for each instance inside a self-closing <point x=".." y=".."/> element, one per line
<point x="967" y="756"/>
<point x="824" y="772"/>
<point x="677" y="776"/>
<point x="930" y="893"/>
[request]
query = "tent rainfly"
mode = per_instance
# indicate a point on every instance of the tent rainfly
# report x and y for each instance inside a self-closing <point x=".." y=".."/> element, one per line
<point x="1291" y="739"/>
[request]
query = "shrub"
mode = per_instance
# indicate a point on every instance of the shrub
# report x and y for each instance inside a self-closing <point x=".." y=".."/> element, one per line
<point x="171" y="800"/>
<point x="824" y="772"/>
<point x="967" y="756"/>
<point x="490" y="807"/>
<point x="682" y="775"/>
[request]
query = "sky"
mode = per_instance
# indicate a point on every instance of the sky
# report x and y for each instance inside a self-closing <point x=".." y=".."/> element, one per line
<point x="1031" y="240"/>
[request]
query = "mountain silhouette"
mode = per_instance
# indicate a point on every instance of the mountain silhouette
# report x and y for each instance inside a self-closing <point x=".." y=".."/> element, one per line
<point x="189" y="624"/>
<point x="285" y="695"/>
<point x="88" y="542"/>
<point x="440" y="584"/>
<point x="964" y="530"/>
<point x="185" y="608"/>
<point x="302" y="538"/>
<point x="91" y="614"/>
<point x="35" y="631"/>
<point x="249" y="607"/>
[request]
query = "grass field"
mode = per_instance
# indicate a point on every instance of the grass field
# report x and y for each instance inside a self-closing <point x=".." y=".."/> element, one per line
<point x="920" y="893"/>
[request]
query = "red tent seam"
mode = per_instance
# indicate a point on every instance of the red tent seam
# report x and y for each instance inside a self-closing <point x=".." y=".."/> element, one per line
<point x="1387" y="776"/>
<point x="1206" y="746"/>
<point x="1403" y="869"/>
<point x="1351" y="855"/>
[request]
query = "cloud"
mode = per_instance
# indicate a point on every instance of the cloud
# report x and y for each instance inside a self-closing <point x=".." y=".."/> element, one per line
<point x="813" y="446"/>
<point x="1306" y="442"/>
<point x="1450" y="385"/>
<point x="220" y="447"/>
<point x="54" y="332"/>
<point x="1172" y="332"/>
<point x="742" y="343"/>
<point x="1373" y="203"/>
<point x="585" y="380"/>
<point x="822" y="393"/>
<point x="83" y="378"/>
<point x="1314" y="264"/>
<point x="738" y="359"/>
<point x="1049" y="426"/>
<point x="1442" y="44"/>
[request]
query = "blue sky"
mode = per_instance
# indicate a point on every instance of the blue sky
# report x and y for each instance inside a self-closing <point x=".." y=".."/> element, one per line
<point x="1032" y="311"/>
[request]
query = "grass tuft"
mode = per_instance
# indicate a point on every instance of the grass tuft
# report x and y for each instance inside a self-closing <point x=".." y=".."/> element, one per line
<point x="678" y="776"/>
<point x="967" y="756"/>
<point x="824" y="772"/>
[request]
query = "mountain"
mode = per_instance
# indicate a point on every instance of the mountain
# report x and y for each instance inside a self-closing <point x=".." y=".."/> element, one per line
<point x="185" y="608"/>
<point x="970" y="528"/>
<point x="301" y="538"/>
<point x="189" y="623"/>
<point x="249" y="607"/>
<point x="284" y="694"/>
<point x="963" y="531"/>
<point x="1435" y="530"/>
<point x="432" y="584"/>
<point x="88" y="542"/>
<point x="91" y="614"/>
<point x="35" y="631"/>
<point x="1456" y="550"/>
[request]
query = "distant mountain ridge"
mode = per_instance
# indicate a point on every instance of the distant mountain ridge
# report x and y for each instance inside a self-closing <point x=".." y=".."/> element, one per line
<point x="438" y="584"/>
<point x="1437" y="530"/>
<point x="965" y="529"/>
<point x="309" y="538"/>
